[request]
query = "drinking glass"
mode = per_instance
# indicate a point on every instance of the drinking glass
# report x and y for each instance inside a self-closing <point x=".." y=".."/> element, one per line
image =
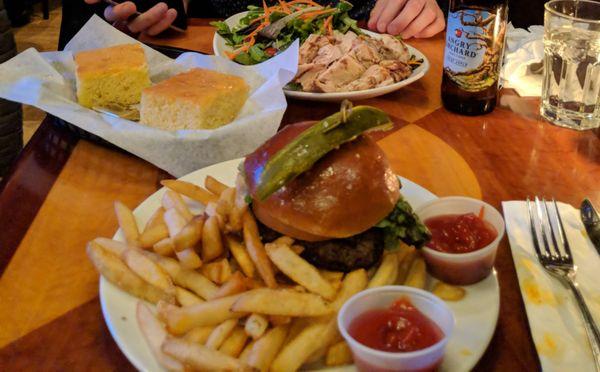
<point x="571" y="88"/>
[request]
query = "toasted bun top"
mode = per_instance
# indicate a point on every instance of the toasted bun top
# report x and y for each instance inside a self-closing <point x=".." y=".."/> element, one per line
<point x="345" y="193"/>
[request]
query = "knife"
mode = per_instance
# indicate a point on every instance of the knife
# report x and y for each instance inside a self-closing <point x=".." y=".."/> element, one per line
<point x="591" y="221"/>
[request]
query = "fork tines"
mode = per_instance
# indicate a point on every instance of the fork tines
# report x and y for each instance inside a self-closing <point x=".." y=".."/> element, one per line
<point x="543" y="226"/>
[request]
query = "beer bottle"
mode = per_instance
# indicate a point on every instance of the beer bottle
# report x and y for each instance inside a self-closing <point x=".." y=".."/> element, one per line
<point x="473" y="55"/>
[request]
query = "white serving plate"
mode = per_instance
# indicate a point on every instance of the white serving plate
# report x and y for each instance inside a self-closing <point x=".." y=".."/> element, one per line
<point x="220" y="47"/>
<point x="476" y="314"/>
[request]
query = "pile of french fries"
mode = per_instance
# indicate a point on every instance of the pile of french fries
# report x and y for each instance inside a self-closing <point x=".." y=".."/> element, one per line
<point x="226" y="300"/>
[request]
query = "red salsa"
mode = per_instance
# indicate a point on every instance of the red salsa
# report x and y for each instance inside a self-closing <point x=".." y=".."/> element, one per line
<point x="459" y="233"/>
<point x="400" y="328"/>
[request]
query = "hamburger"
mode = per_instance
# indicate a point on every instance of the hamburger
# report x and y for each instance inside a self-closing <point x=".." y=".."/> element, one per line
<point x="343" y="204"/>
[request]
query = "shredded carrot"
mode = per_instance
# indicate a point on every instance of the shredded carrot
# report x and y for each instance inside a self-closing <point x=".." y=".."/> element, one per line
<point x="316" y="13"/>
<point x="284" y="7"/>
<point x="328" y="25"/>
<point x="306" y="2"/>
<point x="481" y="212"/>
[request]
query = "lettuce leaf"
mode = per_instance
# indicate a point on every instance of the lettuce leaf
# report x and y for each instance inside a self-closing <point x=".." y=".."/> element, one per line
<point x="402" y="224"/>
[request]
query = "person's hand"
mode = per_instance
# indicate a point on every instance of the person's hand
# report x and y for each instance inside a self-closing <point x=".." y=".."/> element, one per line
<point x="151" y="22"/>
<point x="408" y="18"/>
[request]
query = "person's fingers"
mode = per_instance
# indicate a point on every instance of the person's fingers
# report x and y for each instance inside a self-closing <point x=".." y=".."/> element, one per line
<point x="375" y="14"/>
<point x="148" y="18"/>
<point x="411" y="10"/>
<point x="424" y="19"/>
<point x="438" y="25"/>
<point x="162" y="25"/>
<point x="389" y="13"/>
<point x="120" y="12"/>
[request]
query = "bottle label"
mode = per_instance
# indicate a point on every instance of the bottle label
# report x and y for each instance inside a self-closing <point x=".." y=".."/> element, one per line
<point x="473" y="48"/>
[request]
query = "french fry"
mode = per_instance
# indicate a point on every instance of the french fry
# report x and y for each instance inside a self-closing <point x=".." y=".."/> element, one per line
<point x="212" y="246"/>
<point x="153" y="235"/>
<point x="116" y="272"/>
<point x="189" y="258"/>
<point x="190" y="234"/>
<point x="265" y="349"/>
<point x="235" y="343"/>
<point x="256" y="325"/>
<point x="405" y="264"/>
<point x="174" y="221"/>
<point x="299" y="270"/>
<point x="186" y="278"/>
<point x="240" y="205"/>
<point x="214" y="210"/>
<point x="213" y="312"/>
<point x="417" y="275"/>
<point x="284" y="240"/>
<point x="220" y="333"/>
<point x="281" y="302"/>
<point x="155" y="219"/>
<point x="298" y="249"/>
<point x="218" y="271"/>
<point x="199" y="357"/>
<point x="241" y="255"/>
<point x="300" y="348"/>
<point x="387" y="271"/>
<point x="114" y="246"/>
<point x="226" y="200"/>
<point x="186" y="298"/>
<point x="339" y="354"/>
<point x="199" y="335"/>
<point x="172" y="200"/>
<point x="235" y="284"/>
<point x="127" y="223"/>
<point x="148" y="270"/>
<point x="190" y="190"/>
<point x="256" y="250"/>
<point x="331" y="276"/>
<point x="448" y="292"/>
<point x="320" y="332"/>
<point x="214" y="186"/>
<point x="155" y="334"/>
<point x="278" y="320"/>
<point x="164" y="247"/>
<point x="246" y="352"/>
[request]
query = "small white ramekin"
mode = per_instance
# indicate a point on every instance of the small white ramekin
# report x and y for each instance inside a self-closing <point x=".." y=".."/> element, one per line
<point x="372" y="360"/>
<point x="462" y="268"/>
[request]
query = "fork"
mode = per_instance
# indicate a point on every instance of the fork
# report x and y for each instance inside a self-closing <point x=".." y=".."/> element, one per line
<point x="560" y="264"/>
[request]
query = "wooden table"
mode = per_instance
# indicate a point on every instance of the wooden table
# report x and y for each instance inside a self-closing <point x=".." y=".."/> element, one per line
<point x="61" y="191"/>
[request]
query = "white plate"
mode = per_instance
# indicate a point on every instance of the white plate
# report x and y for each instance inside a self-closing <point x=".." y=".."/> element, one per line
<point x="476" y="315"/>
<point x="220" y="47"/>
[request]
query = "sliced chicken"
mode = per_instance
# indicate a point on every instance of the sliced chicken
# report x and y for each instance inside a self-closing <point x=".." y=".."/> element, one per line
<point x="375" y="76"/>
<point x="393" y="48"/>
<point x="309" y="49"/>
<point x="346" y="41"/>
<point x="339" y="74"/>
<point x="328" y="54"/>
<point x="309" y="76"/>
<point x="365" y="54"/>
<point x="398" y="70"/>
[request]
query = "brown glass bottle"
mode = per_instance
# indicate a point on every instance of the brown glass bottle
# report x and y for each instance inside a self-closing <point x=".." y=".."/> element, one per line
<point x="473" y="55"/>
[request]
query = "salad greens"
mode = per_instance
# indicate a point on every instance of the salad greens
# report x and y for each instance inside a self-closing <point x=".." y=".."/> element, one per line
<point x="402" y="224"/>
<point x="250" y="47"/>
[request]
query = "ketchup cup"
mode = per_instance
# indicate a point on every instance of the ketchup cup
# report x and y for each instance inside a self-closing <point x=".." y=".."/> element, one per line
<point x="462" y="268"/>
<point x="372" y="360"/>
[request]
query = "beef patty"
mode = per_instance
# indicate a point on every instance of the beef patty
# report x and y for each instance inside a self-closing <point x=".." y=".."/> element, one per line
<point x="359" y="251"/>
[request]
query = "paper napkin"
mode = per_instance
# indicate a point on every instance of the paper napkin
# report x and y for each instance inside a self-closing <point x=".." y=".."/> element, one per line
<point x="522" y="69"/>
<point x="47" y="81"/>
<point x="554" y="318"/>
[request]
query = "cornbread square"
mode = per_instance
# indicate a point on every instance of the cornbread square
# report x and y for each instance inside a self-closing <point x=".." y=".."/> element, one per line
<point x="113" y="75"/>
<point x="197" y="99"/>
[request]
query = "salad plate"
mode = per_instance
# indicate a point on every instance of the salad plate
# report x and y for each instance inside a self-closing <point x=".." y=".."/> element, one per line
<point x="221" y="48"/>
<point x="476" y="314"/>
